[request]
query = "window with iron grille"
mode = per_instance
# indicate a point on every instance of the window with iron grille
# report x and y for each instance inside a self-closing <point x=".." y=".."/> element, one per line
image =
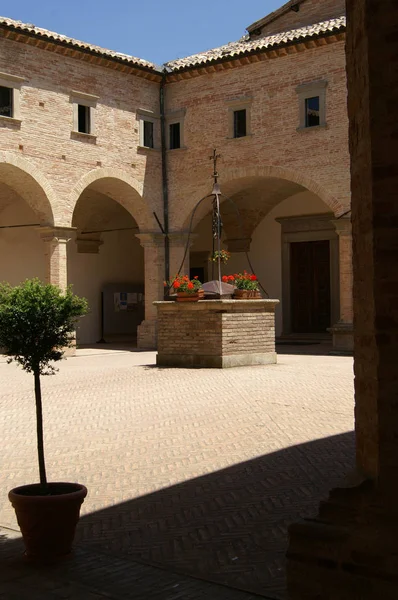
<point x="175" y="136"/>
<point x="312" y="115"/>
<point x="6" y="101"/>
<point x="148" y="134"/>
<point x="240" y="123"/>
<point x="83" y="119"/>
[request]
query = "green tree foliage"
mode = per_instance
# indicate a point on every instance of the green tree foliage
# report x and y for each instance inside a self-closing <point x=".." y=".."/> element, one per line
<point x="37" y="322"/>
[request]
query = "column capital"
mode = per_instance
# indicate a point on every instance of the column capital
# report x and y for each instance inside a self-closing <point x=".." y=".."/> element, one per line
<point x="343" y="226"/>
<point x="151" y="239"/>
<point x="56" y="234"/>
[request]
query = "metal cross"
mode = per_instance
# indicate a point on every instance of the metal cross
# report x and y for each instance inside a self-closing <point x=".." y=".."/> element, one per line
<point x="214" y="157"/>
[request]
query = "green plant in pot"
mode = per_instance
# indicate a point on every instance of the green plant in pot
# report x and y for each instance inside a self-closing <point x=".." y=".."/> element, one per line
<point x="37" y="322"/>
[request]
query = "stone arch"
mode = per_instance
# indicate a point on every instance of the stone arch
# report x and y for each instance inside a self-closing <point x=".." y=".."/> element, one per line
<point x="300" y="178"/>
<point x="121" y="187"/>
<point x="28" y="181"/>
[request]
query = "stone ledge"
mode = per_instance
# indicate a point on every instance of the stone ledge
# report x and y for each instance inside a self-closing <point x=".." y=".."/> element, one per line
<point x="219" y="305"/>
<point x="215" y="362"/>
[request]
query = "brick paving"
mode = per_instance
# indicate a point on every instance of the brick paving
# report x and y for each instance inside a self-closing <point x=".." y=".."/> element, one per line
<point x="195" y="472"/>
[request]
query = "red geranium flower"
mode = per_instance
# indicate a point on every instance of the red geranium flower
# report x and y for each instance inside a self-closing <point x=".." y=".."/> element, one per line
<point x="190" y="285"/>
<point x="225" y="278"/>
<point x="176" y="284"/>
<point x="253" y="278"/>
<point x="231" y="278"/>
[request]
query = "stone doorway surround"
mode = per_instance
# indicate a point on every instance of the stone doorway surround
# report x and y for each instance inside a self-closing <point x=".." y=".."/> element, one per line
<point x="309" y="228"/>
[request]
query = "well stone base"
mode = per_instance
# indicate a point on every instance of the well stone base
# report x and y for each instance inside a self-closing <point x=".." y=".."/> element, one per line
<point x="215" y="362"/>
<point x="216" y="333"/>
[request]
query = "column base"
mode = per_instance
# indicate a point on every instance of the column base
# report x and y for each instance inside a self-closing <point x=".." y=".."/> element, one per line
<point x="147" y="335"/>
<point x="348" y="552"/>
<point x="343" y="338"/>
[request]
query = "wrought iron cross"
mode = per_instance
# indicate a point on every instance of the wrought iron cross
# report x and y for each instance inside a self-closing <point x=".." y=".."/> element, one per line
<point x="214" y="157"/>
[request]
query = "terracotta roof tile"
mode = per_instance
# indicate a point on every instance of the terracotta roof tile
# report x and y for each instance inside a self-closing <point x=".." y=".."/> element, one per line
<point x="235" y="49"/>
<point x="57" y="37"/>
<point x="228" y="51"/>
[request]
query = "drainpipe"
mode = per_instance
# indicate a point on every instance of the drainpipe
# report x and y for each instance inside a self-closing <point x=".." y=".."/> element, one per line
<point x="164" y="178"/>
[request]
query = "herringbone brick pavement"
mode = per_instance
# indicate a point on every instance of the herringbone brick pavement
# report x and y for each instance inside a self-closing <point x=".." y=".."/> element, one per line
<point x="88" y="575"/>
<point x="198" y="471"/>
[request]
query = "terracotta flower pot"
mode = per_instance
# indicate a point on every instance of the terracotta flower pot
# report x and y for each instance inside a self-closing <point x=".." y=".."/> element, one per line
<point x="188" y="297"/>
<point x="247" y="295"/>
<point x="48" y="523"/>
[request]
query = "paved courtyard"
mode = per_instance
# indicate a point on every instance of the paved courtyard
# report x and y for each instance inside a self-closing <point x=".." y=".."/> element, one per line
<point x="195" y="472"/>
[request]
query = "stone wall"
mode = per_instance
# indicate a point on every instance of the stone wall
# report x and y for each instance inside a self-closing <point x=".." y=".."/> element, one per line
<point x="314" y="158"/>
<point x="51" y="167"/>
<point x="64" y="160"/>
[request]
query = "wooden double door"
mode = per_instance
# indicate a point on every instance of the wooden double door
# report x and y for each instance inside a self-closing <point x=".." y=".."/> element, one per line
<point x="310" y="286"/>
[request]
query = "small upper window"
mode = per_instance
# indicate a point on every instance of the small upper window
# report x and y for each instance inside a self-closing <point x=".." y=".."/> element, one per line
<point x="312" y="104"/>
<point x="148" y="141"/>
<point x="312" y="115"/>
<point x="83" y="119"/>
<point x="175" y="135"/>
<point x="239" y="123"/>
<point x="84" y="108"/>
<point x="6" y="103"/>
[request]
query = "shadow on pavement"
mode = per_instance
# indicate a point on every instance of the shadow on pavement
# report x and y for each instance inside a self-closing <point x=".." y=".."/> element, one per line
<point x="227" y="527"/>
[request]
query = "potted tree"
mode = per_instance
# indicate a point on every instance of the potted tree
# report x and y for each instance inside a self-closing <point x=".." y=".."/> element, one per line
<point x="37" y="322"/>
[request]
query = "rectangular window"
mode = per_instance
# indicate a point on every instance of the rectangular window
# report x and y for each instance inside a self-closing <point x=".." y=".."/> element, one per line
<point x="175" y="136"/>
<point x="6" y="107"/>
<point x="239" y="123"/>
<point x="312" y="114"/>
<point x="83" y="119"/>
<point x="148" y="134"/>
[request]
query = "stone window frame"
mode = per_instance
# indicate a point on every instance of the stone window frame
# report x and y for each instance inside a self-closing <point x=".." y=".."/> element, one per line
<point x="13" y="82"/>
<point x="235" y="104"/>
<point x="309" y="228"/>
<point x="172" y="117"/>
<point x="310" y="90"/>
<point x="147" y="115"/>
<point x="89" y="100"/>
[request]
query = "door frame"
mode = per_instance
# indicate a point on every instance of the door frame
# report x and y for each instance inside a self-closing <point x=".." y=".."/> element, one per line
<point x="309" y="228"/>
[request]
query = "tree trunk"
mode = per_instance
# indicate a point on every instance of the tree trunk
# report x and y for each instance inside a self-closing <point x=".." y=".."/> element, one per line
<point x="40" y="442"/>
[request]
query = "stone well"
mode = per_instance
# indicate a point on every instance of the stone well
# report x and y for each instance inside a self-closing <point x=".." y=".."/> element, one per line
<point x="216" y="333"/>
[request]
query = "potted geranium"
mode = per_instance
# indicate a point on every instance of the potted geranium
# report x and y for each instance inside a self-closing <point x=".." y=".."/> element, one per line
<point x="186" y="289"/>
<point x="37" y="322"/>
<point x="246" y="285"/>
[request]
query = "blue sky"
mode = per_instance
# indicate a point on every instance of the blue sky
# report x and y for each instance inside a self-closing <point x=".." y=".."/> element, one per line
<point x="150" y="29"/>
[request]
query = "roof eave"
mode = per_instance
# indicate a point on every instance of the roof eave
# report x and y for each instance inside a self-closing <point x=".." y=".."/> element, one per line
<point x="82" y="49"/>
<point x="277" y="46"/>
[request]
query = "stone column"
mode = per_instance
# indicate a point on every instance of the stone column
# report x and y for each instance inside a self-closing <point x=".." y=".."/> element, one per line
<point x="350" y="550"/>
<point x="343" y="330"/>
<point x="55" y="241"/>
<point x="153" y="244"/>
<point x="55" y="251"/>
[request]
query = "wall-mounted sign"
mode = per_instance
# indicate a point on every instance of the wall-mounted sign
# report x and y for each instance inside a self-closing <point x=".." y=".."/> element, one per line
<point x="127" y="301"/>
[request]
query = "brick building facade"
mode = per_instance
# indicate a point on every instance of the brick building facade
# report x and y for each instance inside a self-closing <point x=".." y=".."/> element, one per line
<point x="98" y="147"/>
